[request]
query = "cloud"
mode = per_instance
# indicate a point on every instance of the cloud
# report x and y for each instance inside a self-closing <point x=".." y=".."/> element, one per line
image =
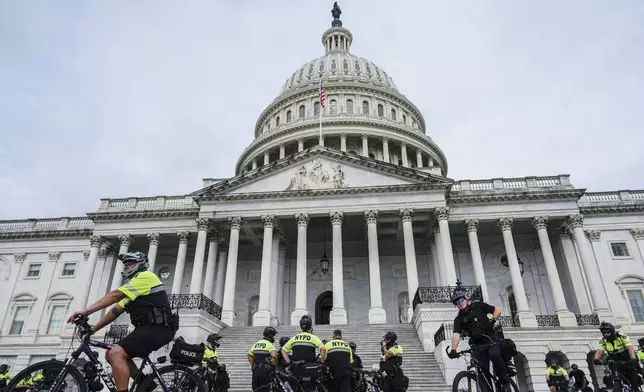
<point x="145" y="98"/>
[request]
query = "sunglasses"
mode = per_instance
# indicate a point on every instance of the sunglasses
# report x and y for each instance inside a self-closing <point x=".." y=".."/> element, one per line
<point x="459" y="301"/>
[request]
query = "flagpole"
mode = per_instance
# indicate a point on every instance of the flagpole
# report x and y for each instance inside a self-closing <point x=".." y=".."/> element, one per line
<point x="321" y="108"/>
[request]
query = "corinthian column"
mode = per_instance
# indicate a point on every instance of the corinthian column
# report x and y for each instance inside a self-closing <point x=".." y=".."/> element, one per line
<point x="448" y="267"/>
<point x="181" y="261"/>
<point x="211" y="264"/>
<point x="152" y="251"/>
<point x="221" y="272"/>
<point x="126" y="240"/>
<point x="338" y="312"/>
<point x="477" y="262"/>
<point x="377" y="313"/>
<point x="203" y="225"/>
<point x="638" y="235"/>
<point x="275" y="254"/>
<point x="263" y="315"/>
<point x="526" y="318"/>
<point x="95" y="243"/>
<point x="228" y="315"/>
<point x="410" y="253"/>
<point x="300" y="274"/>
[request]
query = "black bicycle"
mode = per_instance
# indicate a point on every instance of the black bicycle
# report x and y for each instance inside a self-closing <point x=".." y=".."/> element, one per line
<point x="55" y="376"/>
<point x="620" y="381"/>
<point x="214" y="375"/>
<point x="298" y="377"/>
<point x="559" y="383"/>
<point x="368" y="380"/>
<point x="476" y="377"/>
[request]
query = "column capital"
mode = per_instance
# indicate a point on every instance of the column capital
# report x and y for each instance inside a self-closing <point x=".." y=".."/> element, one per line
<point x="19" y="257"/>
<point x="574" y="221"/>
<point x="540" y="222"/>
<point x="203" y="224"/>
<point x="95" y="241"/>
<point x="385" y="139"/>
<point x="54" y="256"/>
<point x="371" y="216"/>
<point x="406" y="214"/>
<point x="125" y="239"/>
<point x="86" y="255"/>
<point x="472" y="225"/>
<point x="594" y="234"/>
<point x="564" y="231"/>
<point x="235" y="222"/>
<point x="638" y="233"/>
<point x="268" y="221"/>
<point x="505" y="223"/>
<point x="105" y="246"/>
<point x="183" y="236"/>
<point x="343" y="134"/>
<point x="337" y="217"/>
<point x="364" y="136"/>
<point x="442" y="213"/>
<point x="302" y="219"/>
<point x="154" y="238"/>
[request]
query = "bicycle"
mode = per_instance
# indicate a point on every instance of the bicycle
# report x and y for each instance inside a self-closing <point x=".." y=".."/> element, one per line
<point x="54" y="375"/>
<point x="285" y="381"/>
<point x="620" y="381"/>
<point x="560" y="384"/>
<point x="214" y="375"/>
<point x="477" y="378"/>
<point x="363" y="384"/>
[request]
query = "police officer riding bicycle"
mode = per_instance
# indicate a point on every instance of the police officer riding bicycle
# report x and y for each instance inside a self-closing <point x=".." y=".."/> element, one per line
<point x="619" y="348"/>
<point x="556" y="377"/>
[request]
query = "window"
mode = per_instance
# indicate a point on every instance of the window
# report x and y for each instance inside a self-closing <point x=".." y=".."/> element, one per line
<point x="164" y="273"/>
<point x="637" y="304"/>
<point x="18" y="322"/>
<point x="34" y="270"/>
<point x="349" y="106"/>
<point x="316" y="109"/>
<point x="512" y="303"/>
<point x="56" y="319"/>
<point x="381" y="110"/>
<point x="302" y="109"/>
<point x="277" y="121"/>
<point x="365" y="107"/>
<point x="393" y="114"/>
<point x="333" y="106"/>
<point x="619" y="249"/>
<point x="69" y="269"/>
<point x="288" y="116"/>
<point x="268" y="126"/>
<point x="404" y="119"/>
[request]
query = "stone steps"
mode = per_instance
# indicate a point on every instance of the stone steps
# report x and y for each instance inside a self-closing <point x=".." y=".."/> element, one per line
<point x="421" y="367"/>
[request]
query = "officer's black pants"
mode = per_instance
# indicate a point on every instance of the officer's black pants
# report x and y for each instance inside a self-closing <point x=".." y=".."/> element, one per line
<point x="261" y="377"/>
<point x="392" y="381"/>
<point x="341" y="381"/>
<point x="629" y="371"/>
<point x="493" y="354"/>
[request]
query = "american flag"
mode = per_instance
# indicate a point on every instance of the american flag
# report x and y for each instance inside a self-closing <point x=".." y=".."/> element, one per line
<point x="322" y="95"/>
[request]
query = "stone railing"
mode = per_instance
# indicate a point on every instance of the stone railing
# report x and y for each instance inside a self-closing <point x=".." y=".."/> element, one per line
<point x="52" y="224"/>
<point x="147" y="203"/>
<point x="594" y="198"/>
<point x="547" y="320"/>
<point x="560" y="181"/>
<point x="587" y="319"/>
<point x="195" y="301"/>
<point x="443" y="333"/>
<point x="443" y="294"/>
<point x="116" y="333"/>
<point x="509" y="321"/>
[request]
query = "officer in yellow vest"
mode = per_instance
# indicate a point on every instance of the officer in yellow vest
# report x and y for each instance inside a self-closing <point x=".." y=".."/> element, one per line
<point x="640" y="351"/>
<point x="259" y="353"/>
<point x="555" y="374"/>
<point x="619" y="348"/>
<point x="390" y="362"/>
<point x="212" y="342"/>
<point x="339" y="358"/>
<point x="5" y="377"/>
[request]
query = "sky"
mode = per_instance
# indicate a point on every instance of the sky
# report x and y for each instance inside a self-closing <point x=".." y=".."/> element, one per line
<point x="146" y="98"/>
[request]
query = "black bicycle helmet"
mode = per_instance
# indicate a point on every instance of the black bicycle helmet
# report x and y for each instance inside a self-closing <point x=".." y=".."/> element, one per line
<point x="574" y="366"/>
<point x="270" y="332"/>
<point x="3" y="367"/>
<point x="306" y="323"/>
<point x="353" y="346"/>
<point x="213" y="338"/>
<point x="284" y="340"/>
<point x="391" y="337"/>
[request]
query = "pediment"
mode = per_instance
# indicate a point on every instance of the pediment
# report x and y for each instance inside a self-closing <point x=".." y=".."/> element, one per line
<point x="321" y="169"/>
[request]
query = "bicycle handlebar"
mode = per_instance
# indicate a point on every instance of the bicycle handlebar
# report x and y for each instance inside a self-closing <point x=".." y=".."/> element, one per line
<point x="470" y="351"/>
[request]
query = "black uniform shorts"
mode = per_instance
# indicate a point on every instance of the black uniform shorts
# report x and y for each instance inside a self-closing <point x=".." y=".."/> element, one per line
<point x="144" y="340"/>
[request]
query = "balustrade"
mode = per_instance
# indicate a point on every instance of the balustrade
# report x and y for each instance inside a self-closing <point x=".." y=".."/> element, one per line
<point x="195" y="301"/>
<point x="443" y="294"/>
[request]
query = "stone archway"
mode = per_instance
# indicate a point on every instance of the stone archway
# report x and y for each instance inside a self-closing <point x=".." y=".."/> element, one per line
<point x="323" y="306"/>
<point x="523" y="377"/>
<point x="251" y="308"/>
<point x="560" y="357"/>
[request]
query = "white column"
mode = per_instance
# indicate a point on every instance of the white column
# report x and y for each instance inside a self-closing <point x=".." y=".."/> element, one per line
<point x="573" y="264"/>
<point x="228" y="315"/>
<point x="152" y="250"/>
<point x="282" y="151"/>
<point x="343" y="142"/>
<point x="300" y="274"/>
<point x="410" y="252"/>
<point x="220" y="281"/>
<point x="377" y="314"/>
<point x="95" y="243"/>
<point x="365" y="146"/>
<point x="263" y="315"/>
<point x="274" y="276"/>
<point x="211" y="264"/>
<point x="203" y="224"/>
<point x="281" y="260"/>
<point x="419" y="158"/>
<point x="526" y="318"/>
<point x="300" y="147"/>
<point x="181" y="261"/>
<point x="477" y="262"/>
<point x="403" y="154"/>
<point x="385" y="149"/>
<point x="266" y="157"/>
<point x="438" y="247"/>
<point x="125" y="240"/>
<point x="338" y="312"/>
<point x="638" y="235"/>
<point x="566" y="318"/>
<point x="448" y="267"/>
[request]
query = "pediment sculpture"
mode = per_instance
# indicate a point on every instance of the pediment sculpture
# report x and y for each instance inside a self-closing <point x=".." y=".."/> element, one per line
<point x="318" y="175"/>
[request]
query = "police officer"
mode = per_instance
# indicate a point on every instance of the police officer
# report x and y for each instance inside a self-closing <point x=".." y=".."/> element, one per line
<point x="5" y="376"/>
<point x="145" y="299"/>
<point x="303" y="346"/>
<point x="556" y="374"/>
<point x="472" y="319"/>
<point x="619" y="348"/>
<point x="357" y="361"/>
<point x="212" y="342"/>
<point x="390" y="362"/>
<point x="580" y="377"/>
<point x="339" y="358"/>
<point x="280" y="356"/>
<point x="258" y="355"/>
<point x="640" y="351"/>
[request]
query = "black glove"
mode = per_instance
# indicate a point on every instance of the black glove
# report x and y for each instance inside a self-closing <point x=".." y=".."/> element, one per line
<point x="597" y="361"/>
<point x="453" y="354"/>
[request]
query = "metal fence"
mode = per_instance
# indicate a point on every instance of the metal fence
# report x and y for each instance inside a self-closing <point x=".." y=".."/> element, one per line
<point x="195" y="301"/>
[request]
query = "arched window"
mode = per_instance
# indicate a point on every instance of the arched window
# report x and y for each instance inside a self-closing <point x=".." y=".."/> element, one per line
<point x="288" y="116"/>
<point x="277" y="121"/>
<point x="349" y="106"/>
<point x="333" y="106"/>
<point x="316" y="109"/>
<point x="393" y="114"/>
<point x="404" y="119"/>
<point x="512" y="303"/>
<point x="381" y="110"/>
<point x="632" y="288"/>
<point x="301" y="114"/>
<point x="365" y="107"/>
<point x="268" y="126"/>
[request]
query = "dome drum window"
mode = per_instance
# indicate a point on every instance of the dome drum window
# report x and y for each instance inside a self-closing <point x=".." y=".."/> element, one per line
<point x="301" y="111"/>
<point x="316" y="109"/>
<point x="393" y="114"/>
<point x="334" y="67"/>
<point x="288" y="116"/>
<point x="381" y="110"/>
<point x="365" y="107"/>
<point x="333" y="106"/>
<point x="345" y="66"/>
<point x="349" y="106"/>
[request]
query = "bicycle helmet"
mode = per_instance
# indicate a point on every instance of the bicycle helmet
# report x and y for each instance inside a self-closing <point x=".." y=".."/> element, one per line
<point x="269" y="334"/>
<point x="213" y="339"/>
<point x="574" y="366"/>
<point x="284" y="340"/>
<point x="607" y="329"/>
<point x="640" y="341"/>
<point x="353" y="346"/>
<point x="141" y="260"/>
<point x="306" y="323"/>
<point x="457" y="296"/>
<point x="3" y="368"/>
<point x="391" y="337"/>
<point x="554" y="363"/>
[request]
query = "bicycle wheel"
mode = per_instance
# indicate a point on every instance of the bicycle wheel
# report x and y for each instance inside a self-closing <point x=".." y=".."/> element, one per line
<point x="41" y="375"/>
<point x="176" y="377"/>
<point x="464" y="381"/>
<point x="514" y="385"/>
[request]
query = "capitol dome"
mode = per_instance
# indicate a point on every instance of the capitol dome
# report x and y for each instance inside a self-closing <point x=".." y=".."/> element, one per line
<point x="364" y="114"/>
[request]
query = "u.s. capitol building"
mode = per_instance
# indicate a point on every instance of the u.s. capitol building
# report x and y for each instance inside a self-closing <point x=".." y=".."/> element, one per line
<point x="363" y="226"/>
